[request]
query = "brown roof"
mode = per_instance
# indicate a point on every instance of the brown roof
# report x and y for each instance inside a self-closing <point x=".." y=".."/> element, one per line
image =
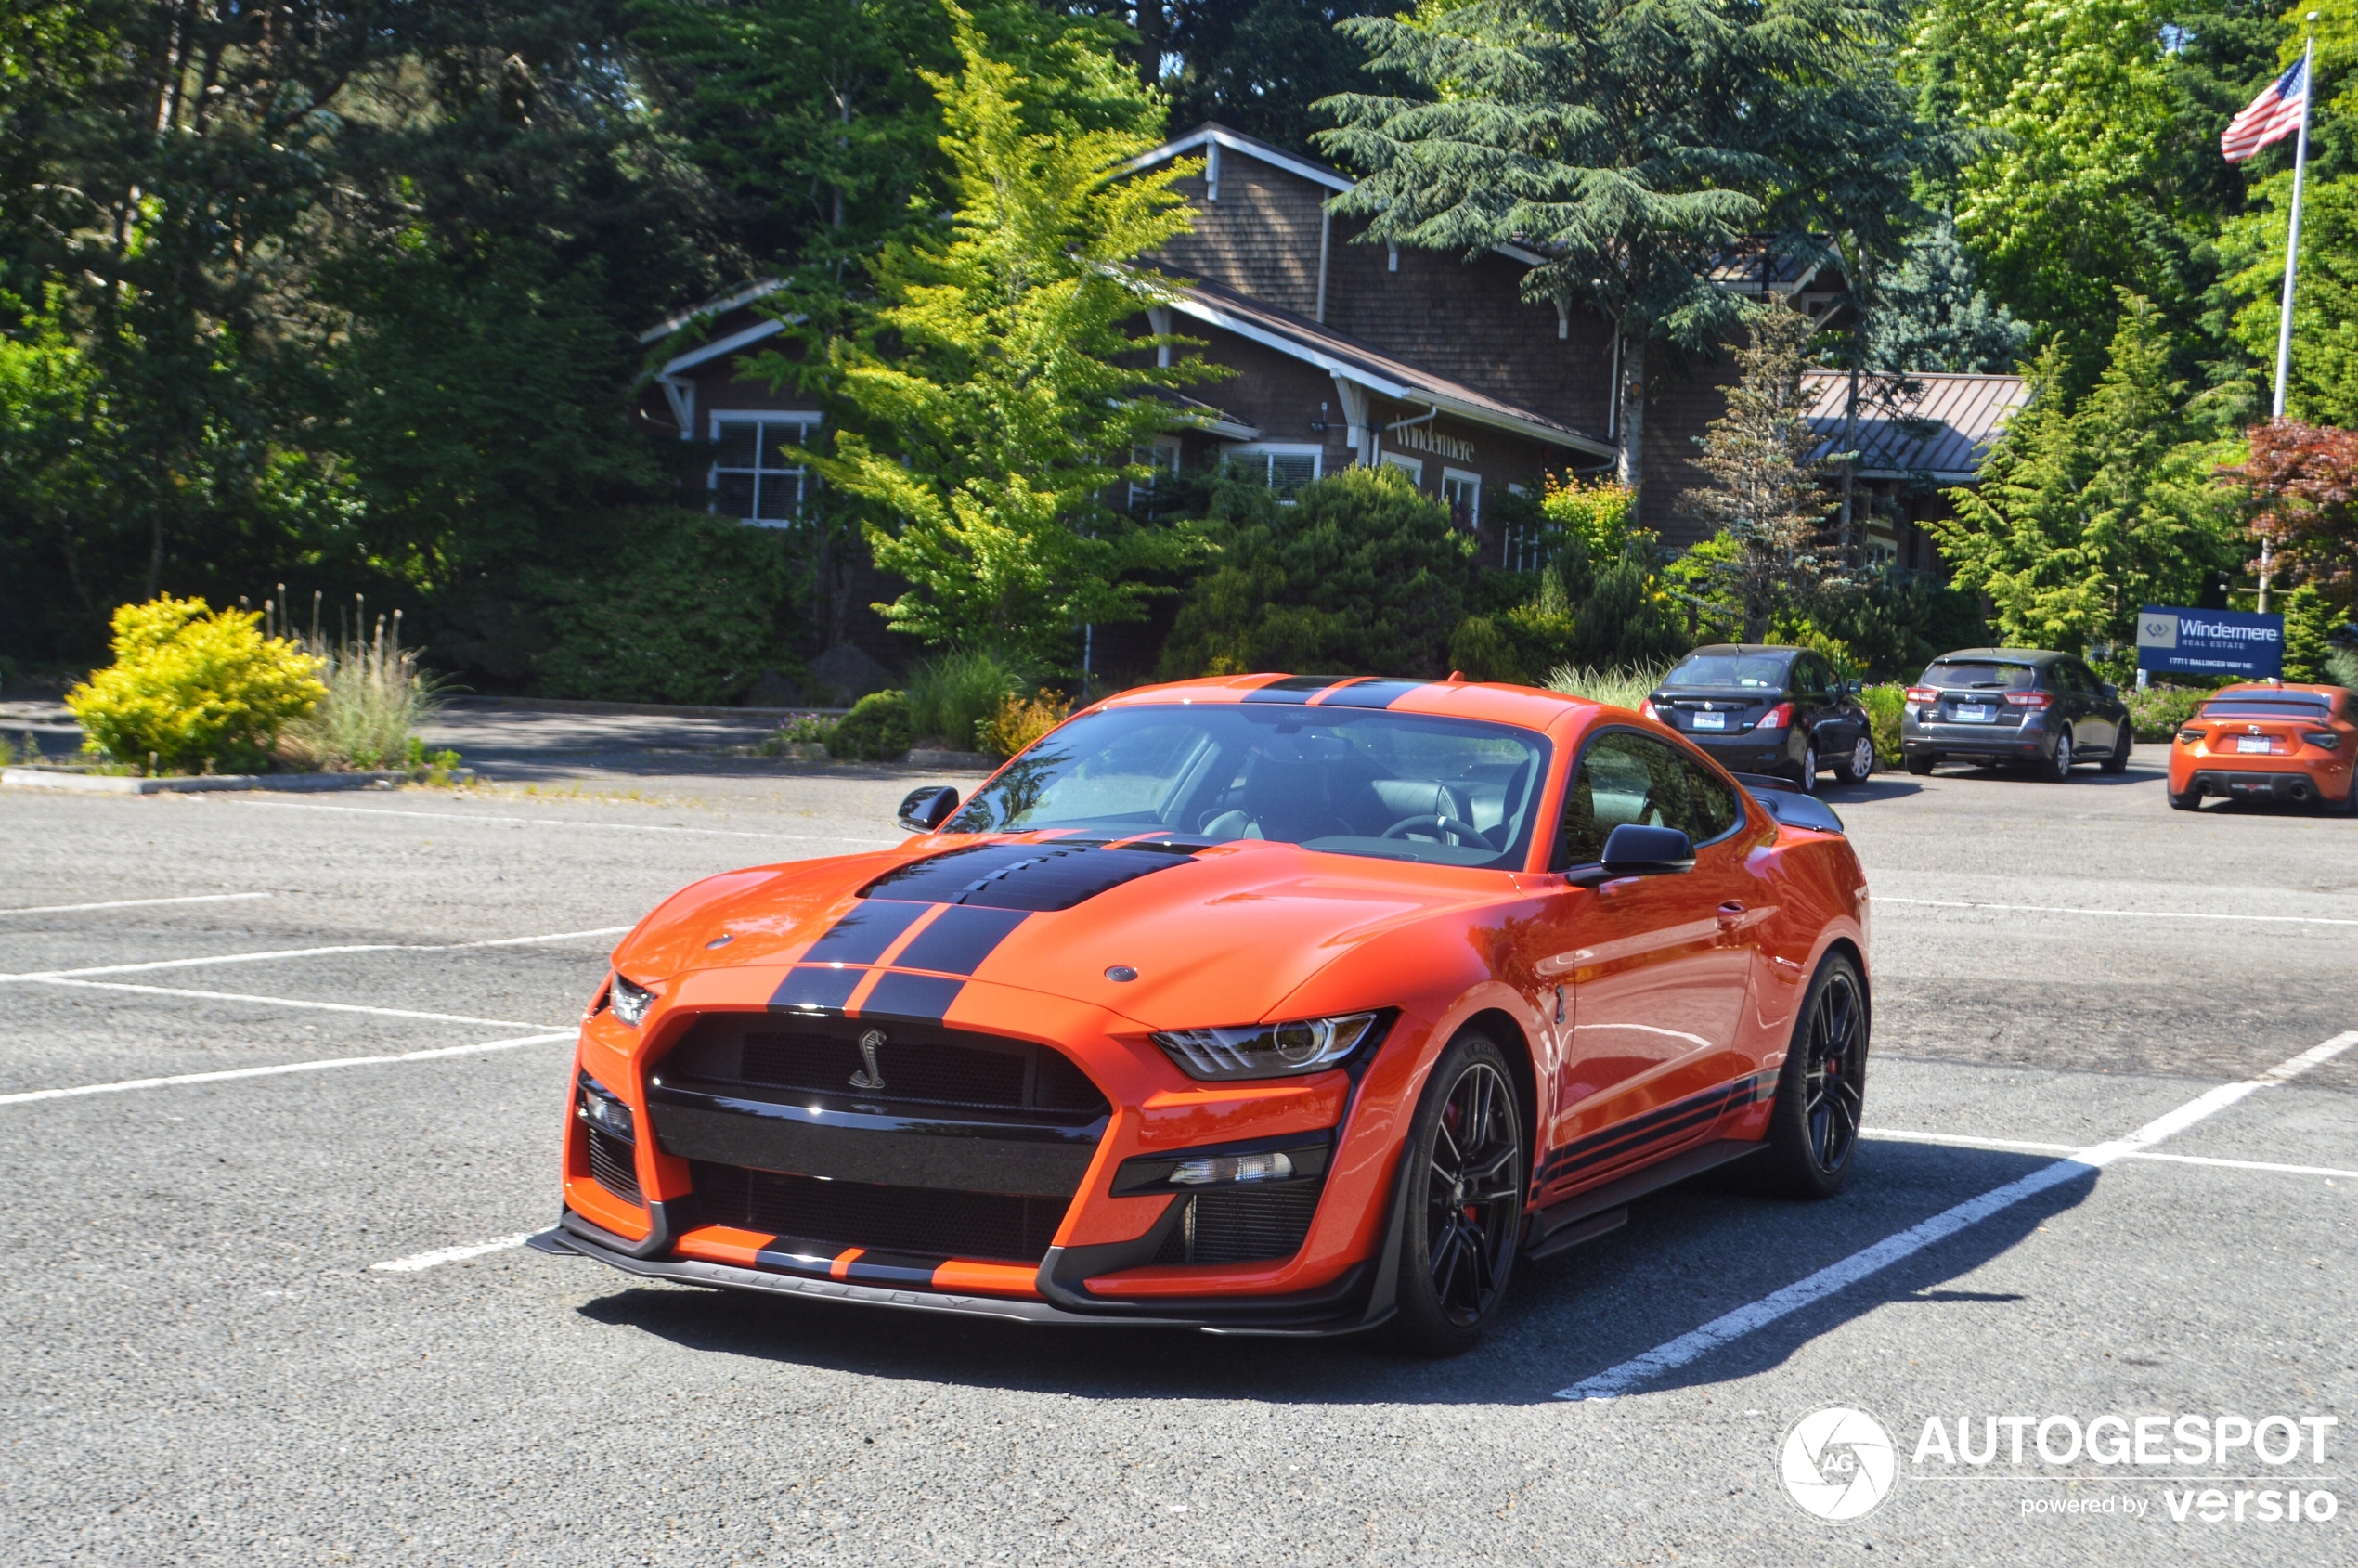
<point x="1384" y="373"/>
<point x="1943" y="432"/>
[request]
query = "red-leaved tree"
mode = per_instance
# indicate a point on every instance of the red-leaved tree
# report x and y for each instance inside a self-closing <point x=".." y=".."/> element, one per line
<point x="2303" y="480"/>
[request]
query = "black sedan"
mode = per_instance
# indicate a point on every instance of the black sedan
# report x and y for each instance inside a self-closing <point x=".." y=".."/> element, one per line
<point x="2042" y="710"/>
<point x="1758" y="708"/>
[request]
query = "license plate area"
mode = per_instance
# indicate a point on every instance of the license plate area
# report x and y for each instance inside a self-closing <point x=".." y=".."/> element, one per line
<point x="1711" y="721"/>
<point x="2254" y="744"/>
<point x="1975" y="713"/>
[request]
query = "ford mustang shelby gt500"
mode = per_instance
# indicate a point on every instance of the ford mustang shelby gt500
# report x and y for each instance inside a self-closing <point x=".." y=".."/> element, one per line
<point x="1263" y="1005"/>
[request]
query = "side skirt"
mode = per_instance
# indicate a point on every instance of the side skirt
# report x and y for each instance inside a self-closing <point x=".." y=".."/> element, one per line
<point x="1586" y="1215"/>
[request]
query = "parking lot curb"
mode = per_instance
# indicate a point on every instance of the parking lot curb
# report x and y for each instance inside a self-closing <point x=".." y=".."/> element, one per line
<point x="109" y="783"/>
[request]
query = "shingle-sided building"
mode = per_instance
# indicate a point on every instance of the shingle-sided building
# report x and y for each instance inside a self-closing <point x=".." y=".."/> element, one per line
<point x="1349" y="353"/>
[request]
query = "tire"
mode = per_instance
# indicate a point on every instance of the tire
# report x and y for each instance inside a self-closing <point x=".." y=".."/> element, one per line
<point x="1465" y="1198"/>
<point x="1921" y="762"/>
<point x="1821" y="1090"/>
<point x="2189" y="801"/>
<point x="1807" y="774"/>
<point x="2057" y="768"/>
<point x="1859" y="766"/>
<point x="2119" y="761"/>
<point x="2349" y="807"/>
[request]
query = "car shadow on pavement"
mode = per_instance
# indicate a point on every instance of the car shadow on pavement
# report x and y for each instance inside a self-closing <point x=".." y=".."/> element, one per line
<point x="1687" y="1255"/>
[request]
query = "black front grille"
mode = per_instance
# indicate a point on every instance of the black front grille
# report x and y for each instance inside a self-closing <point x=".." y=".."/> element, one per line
<point x="613" y="1163"/>
<point x="926" y="1221"/>
<point x="921" y="1064"/>
<point x="1242" y="1225"/>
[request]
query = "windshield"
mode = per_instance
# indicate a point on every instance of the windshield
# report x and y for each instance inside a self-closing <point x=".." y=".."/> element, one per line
<point x="1764" y="671"/>
<point x="1354" y="781"/>
<point x="2290" y="705"/>
<point x="1981" y="675"/>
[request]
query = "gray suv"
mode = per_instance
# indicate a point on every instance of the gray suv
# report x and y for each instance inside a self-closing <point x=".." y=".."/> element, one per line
<point x="2014" y="705"/>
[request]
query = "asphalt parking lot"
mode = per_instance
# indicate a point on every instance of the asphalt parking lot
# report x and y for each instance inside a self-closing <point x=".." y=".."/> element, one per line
<point x="308" y="1040"/>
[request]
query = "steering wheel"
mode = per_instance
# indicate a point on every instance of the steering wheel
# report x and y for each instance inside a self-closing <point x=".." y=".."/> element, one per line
<point x="1458" y="832"/>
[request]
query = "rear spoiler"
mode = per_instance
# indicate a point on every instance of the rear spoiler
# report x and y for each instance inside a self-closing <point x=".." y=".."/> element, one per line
<point x="1784" y="800"/>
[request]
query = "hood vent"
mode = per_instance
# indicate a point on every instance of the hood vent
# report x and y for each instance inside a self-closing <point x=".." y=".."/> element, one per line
<point x="1025" y="877"/>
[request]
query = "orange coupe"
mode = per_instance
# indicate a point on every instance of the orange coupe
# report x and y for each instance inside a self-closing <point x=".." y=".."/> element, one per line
<point x="2269" y="740"/>
<point x="1265" y="1004"/>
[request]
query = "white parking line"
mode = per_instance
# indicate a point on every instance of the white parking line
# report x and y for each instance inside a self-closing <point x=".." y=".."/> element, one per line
<point x="125" y="1085"/>
<point x="1728" y="1328"/>
<point x="150" y="967"/>
<point x="295" y="1002"/>
<point x="136" y="903"/>
<point x="1893" y="1135"/>
<point x="450" y="1254"/>
<point x="558" y="822"/>
<point x="2118" y="913"/>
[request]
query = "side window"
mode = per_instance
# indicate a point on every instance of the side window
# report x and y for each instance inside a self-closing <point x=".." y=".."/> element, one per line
<point x="2065" y="679"/>
<point x="1807" y="683"/>
<point x="1622" y="777"/>
<point x="1712" y="809"/>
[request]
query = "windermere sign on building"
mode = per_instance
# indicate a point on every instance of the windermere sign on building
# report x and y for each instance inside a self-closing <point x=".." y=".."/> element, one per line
<point x="1423" y="438"/>
<point x="2185" y="641"/>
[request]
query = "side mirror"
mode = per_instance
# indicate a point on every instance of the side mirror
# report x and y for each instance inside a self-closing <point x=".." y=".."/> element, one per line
<point x="1852" y="688"/>
<point x="1631" y="851"/>
<point x="927" y="809"/>
<point x="2112" y="690"/>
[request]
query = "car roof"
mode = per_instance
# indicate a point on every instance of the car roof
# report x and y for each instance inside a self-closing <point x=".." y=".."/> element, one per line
<point x="1740" y="648"/>
<point x="1529" y="708"/>
<point x="2010" y="656"/>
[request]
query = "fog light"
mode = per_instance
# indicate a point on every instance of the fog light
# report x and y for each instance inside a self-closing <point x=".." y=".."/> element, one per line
<point x="603" y="1110"/>
<point x="1231" y="1168"/>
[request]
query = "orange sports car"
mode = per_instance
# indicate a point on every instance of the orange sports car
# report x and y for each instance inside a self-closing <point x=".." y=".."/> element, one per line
<point x="2269" y="740"/>
<point x="1265" y="1004"/>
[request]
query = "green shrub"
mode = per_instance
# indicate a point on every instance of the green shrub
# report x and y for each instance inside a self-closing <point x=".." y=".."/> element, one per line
<point x="376" y="697"/>
<point x="194" y="690"/>
<point x="877" y="729"/>
<point x="1884" y="706"/>
<point x="663" y="606"/>
<point x="951" y="695"/>
<point x="2157" y="711"/>
<point x="1482" y="650"/>
<point x="1614" y="688"/>
<point x="2341" y="667"/>
<point x="1019" y="723"/>
<point x="1626" y="624"/>
<point x="1360" y="576"/>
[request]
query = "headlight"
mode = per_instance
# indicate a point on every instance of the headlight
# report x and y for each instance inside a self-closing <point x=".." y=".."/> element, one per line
<point x="1266" y="1050"/>
<point x="601" y="1107"/>
<point x="629" y="1002"/>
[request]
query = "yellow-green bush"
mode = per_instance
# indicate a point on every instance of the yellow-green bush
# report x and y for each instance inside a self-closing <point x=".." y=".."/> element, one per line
<point x="194" y="689"/>
<point x="1019" y="723"/>
<point x="1885" y="706"/>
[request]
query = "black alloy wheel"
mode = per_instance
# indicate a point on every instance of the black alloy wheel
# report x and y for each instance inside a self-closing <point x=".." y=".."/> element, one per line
<point x="1465" y="1200"/>
<point x="1921" y="762"/>
<point x="2057" y="769"/>
<point x="2119" y="761"/>
<point x="1821" y="1090"/>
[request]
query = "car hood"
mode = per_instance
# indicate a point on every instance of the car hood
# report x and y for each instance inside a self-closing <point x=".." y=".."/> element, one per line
<point x="1220" y="935"/>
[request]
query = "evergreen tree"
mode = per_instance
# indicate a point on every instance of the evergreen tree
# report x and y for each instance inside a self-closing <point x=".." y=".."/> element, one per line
<point x="1932" y="315"/>
<point x="1257" y="66"/>
<point x="994" y="405"/>
<point x="1770" y="505"/>
<point x="2324" y="386"/>
<point x="2084" y="513"/>
<point x="1630" y="144"/>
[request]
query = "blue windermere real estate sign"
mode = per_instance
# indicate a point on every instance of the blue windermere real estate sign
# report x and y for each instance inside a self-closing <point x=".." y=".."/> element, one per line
<point x="2188" y="642"/>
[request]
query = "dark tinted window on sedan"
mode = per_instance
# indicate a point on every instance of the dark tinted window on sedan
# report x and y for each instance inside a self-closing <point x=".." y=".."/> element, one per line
<point x="1981" y="675"/>
<point x="1763" y="672"/>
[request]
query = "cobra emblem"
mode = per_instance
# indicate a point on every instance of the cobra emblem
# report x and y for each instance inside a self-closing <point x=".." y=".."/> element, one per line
<point x="873" y="1077"/>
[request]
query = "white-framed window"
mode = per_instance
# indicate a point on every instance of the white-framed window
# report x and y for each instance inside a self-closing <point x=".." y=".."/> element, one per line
<point x="1163" y="458"/>
<point x="1284" y="468"/>
<point x="1413" y="467"/>
<point x="752" y="478"/>
<point x="1525" y="546"/>
<point x="1462" y="492"/>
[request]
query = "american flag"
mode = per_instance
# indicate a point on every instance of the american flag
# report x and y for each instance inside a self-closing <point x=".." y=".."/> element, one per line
<point x="2272" y="116"/>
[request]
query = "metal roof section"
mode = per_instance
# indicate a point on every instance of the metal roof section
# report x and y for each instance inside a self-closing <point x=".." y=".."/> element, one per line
<point x="1943" y="432"/>
<point x="1351" y="361"/>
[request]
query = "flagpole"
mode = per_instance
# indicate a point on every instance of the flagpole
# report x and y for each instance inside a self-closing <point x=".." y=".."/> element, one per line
<point x="2292" y="262"/>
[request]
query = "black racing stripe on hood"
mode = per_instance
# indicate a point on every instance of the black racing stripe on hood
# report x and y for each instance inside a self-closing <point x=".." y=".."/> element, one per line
<point x="919" y="998"/>
<point x="1371" y="694"/>
<point x="958" y="942"/>
<point x="828" y="989"/>
<point x="1022" y="877"/>
<point x="862" y="936"/>
<point x="1294" y="688"/>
